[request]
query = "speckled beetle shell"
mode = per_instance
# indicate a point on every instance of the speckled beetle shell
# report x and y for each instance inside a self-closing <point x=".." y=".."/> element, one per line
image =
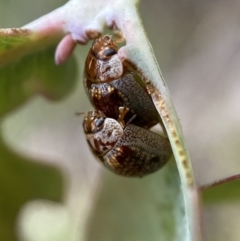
<point x="110" y="85"/>
<point x="127" y="150"/>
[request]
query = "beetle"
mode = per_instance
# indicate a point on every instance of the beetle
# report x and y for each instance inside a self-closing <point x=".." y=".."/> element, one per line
<point x="125" y="149"/>
<point x="110" y="85"/>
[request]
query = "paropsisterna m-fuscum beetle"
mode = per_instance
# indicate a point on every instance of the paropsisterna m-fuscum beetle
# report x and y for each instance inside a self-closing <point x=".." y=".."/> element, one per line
<point x="125" y="149"/>
<point x="110" y="85"/>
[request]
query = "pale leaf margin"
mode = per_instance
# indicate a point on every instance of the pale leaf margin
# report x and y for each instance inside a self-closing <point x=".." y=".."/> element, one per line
<point x="81" y="21"/>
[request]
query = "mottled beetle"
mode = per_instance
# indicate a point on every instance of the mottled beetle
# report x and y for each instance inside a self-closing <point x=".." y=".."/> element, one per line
<point x="111" y="85"/>
<point x="126" y="149"/>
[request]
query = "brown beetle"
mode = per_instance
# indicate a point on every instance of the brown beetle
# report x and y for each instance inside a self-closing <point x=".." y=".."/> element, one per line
<point x="110" y="85"/>
<point x="128" y="150"/>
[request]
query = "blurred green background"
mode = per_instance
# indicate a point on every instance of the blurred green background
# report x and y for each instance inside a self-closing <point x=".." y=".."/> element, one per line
<point x="197" y="46"/>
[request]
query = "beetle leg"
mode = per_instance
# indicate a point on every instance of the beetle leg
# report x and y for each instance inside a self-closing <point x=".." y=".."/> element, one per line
<point x="122" y="112"/>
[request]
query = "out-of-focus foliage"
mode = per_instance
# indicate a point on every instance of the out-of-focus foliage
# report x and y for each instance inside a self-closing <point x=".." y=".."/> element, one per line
<point x="23" y="179"/>
<point x="197" y="47"/>
<point x="34" y="74"/>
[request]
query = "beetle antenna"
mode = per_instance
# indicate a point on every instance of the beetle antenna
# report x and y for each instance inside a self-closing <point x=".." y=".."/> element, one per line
<point x="80" y="113"/>
<point x="131" y="119"/>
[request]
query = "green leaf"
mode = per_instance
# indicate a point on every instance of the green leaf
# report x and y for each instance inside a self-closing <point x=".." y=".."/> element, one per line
<point x="139" y="55"/>
<point x="20" y="181"/>
<point x="148" y="208"/>
<point x="225" y="192"/>
<point x="35" y="74"/>
<point x="16" y="43"/>
<point x="13" y="38"/>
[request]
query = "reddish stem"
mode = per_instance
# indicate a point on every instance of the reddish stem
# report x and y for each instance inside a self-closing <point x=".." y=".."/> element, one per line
<point x="224" y="180"/>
